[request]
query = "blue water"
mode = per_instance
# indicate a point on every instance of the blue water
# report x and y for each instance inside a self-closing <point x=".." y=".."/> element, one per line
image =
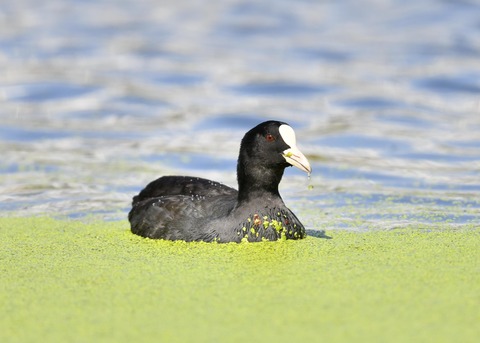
<point x="97" y="98"/>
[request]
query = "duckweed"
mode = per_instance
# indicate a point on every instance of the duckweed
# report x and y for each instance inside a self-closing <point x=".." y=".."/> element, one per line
<point x="65" y="281"/>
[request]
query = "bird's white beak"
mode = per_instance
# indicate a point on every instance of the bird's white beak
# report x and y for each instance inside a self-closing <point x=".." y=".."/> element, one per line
<point x="297" y="159"/>
<point x="293" y="155"/>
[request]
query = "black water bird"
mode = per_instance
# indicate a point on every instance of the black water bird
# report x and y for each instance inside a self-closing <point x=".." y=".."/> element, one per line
<point x="195" y="209"/>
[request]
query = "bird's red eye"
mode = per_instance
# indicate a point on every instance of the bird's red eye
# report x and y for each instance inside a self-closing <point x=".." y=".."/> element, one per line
<point x="269" y="137"/>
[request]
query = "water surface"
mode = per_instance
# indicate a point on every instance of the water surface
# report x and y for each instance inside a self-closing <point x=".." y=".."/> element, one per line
<point x="97" y="98"/>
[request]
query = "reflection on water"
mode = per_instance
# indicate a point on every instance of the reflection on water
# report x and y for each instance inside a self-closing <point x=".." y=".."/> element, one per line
<point x="97" y="98"/>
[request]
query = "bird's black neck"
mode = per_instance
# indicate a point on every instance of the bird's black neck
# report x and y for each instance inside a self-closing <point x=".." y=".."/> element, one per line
<point x="256" y="181"/>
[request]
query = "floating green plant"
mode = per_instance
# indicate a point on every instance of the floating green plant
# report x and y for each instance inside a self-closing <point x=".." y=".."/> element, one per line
<point x="67" y="281"/>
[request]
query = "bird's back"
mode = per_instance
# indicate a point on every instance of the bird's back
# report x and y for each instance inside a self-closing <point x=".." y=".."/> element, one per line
<point x="180" y="207"/>
<point x="183" y="185"/>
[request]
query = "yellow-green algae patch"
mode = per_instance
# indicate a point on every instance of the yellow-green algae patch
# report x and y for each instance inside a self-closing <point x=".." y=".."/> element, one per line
<point x="67" y="281"/>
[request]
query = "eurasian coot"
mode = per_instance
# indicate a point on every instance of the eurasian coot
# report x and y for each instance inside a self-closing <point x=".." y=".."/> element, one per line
<point x="196" y="209"/>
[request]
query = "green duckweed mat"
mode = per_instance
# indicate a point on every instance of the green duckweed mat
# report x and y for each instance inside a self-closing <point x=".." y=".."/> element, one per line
<point x="68" y="281"/>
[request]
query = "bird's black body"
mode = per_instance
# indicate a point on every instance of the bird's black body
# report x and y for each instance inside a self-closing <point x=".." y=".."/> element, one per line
<point x="196" y="209"/>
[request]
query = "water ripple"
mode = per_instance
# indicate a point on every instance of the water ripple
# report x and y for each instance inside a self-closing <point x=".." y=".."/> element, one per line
<point x="45" y="91"/>
<point x="97" y="98"/>
<point x="279" y="89"/>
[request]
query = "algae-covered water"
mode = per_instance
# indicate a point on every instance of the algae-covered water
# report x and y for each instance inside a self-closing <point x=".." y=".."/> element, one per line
<point x="67" y="281"/>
